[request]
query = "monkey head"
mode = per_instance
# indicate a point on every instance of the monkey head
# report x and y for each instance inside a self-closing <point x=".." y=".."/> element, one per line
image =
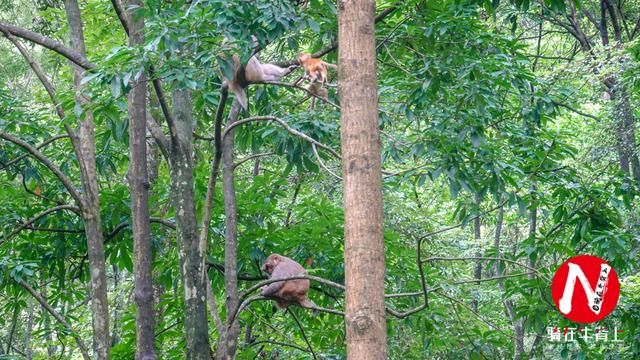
<point x="272" y="261"/>
<point x="303" y="57"/>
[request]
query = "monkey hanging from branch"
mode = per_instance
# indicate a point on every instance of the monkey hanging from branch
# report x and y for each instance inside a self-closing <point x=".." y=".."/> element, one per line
<point x="251" y="73"/>
<point x="290" y="292"/>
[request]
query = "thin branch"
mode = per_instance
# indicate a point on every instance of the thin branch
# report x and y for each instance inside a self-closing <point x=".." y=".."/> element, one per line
<point x="122" y="16"/>
<point x="439" y="258"/>
<point x="39" y="216"/>
<point x="296" y="86"/>
<point x="284" y="125"/>
<point x="304" y="336"/>
<point x="490" y="324"/>
<point x="58" y="317"/>
<point x="557" y="103"/>
<point x="251" y="157"/>
<point x="162" y="100"/>
<point x="125" y="224"/>
<point x="279" y="344"/>
<point x="158" y="135"/>
<point x="50" y="44"/>
<point x="213" y="308"/>
<point x="44" y="143"/>
<point x="445" y="229"/>
<point x="309" y="277"/>
<point x="315" y="153"/>
<point x="39" y="73"/>
<point x="46" y="162"/>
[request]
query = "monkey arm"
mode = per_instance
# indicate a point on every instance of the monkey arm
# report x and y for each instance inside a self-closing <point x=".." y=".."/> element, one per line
<point x="272" y="288"/>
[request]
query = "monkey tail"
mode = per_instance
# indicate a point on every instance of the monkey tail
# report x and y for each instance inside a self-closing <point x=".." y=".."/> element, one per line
<point x="241" y="94"/>
<point x="308" y="304"/>
<point x="333" y="66"/>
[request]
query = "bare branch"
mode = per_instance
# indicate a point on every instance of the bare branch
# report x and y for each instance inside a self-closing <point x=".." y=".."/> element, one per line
<point x="251" y="157"/>
<point x="439" y="258"/>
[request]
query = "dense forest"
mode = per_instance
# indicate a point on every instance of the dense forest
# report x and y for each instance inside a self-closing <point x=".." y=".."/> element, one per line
<point x="422" y="168"/>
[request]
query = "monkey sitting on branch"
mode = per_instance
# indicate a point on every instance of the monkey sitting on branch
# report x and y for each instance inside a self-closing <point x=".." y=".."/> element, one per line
<point x="288" y="292"/>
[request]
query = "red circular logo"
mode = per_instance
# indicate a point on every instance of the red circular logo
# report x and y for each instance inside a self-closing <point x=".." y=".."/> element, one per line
<point x="585" y="289"/>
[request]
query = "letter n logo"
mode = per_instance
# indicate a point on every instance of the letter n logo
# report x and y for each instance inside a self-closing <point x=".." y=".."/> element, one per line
<point x="585" y="289"/>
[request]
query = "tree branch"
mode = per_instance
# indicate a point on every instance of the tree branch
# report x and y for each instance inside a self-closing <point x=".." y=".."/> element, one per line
<point x="287" y="127"/>
<point x="46" y="162"/>
<point x="38" y="216"/>
<point x="58" y="317"/>
<point x="50" y="44"/>
<point x="44" y="143"/>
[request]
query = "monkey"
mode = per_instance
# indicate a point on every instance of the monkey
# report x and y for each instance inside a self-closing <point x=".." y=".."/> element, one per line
<point x="253" y="72"/>
<point x="288" y="292"/>
<point x="315" y="70"/>
<point x="318" y="90"/>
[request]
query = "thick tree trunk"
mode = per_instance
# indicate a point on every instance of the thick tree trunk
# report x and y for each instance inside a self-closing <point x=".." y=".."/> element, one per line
<point x="229" y="340"/>
<point x="139" y="189"/>
<point x="191" y="255"/>
<point x="360" y="138"/>
<point x="626" y="134"/>
<point x="91" y="204"/>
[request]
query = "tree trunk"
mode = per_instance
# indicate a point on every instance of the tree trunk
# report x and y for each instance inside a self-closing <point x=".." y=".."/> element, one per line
<point x="229" y="340"/>
<point x="360" y="138"/>
<point x="91" y="204"/>
<point x="191" y="255"/>
<point x="28" y="352"/>
<point x="518" y="346"/>
<point x="476" y="237"/>
<point x="117" y="308"/>
<point x="14" y="322"/>
<point x="139" y="189"/>
<point x="626" y="134"/>
<point x="46" y="323"/>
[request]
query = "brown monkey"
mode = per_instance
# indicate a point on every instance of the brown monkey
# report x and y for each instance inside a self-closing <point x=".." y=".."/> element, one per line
<point x="288" y="292"/>
<point x="318" y="90"/>
<point x="314" y="69"/>
<point x="253" y="72"/>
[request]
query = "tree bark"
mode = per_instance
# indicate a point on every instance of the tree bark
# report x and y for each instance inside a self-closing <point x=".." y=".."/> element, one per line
<point x="625" y="133"/>
<point x="476" y="237"/>
<point x="518" y="346"/>
<point x="139" y="188"/>
<point x="229" y="340"/>
<point x="91" y="204"/>
<point x="28" y="351"/>
<point x="191" y="254"/>
<point x="360" y="139"/>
